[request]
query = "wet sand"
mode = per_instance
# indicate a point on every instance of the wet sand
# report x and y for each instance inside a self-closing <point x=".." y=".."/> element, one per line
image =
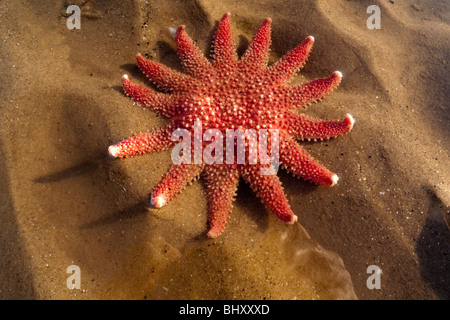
<point x="64" y="202"/>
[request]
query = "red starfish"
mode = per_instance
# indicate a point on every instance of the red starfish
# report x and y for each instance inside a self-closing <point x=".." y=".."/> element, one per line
<point x="230" y="93"/>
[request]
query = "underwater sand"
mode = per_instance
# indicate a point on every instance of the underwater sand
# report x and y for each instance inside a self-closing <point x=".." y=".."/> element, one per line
<point x="63" y="202"/>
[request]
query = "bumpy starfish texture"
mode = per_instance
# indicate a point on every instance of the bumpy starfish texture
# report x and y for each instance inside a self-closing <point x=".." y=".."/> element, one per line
<point x="231" y="93"/>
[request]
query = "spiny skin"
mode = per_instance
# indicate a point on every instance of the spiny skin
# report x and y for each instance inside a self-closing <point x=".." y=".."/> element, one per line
<point x="231" y="93"/>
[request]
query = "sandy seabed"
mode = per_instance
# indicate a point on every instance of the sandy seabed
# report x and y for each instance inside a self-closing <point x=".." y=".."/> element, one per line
<point x="63" y="202"/>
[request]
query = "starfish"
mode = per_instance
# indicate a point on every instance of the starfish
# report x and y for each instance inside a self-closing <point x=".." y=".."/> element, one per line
<point x="228" y="92"/>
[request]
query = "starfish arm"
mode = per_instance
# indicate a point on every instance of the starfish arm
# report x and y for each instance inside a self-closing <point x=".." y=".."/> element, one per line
<point x="221" y="186"/>
<point x="143" y="143"/>
<point x="313" y="91"/>
<point x="301" y="164"/>
<point x="282" y="70"/>
<point x="163" y="77"/>
<point x="193" y="60"/>
<point x="256" y="55"/>
<point x="224" y="55"/>
<point x="303" y="127"/>
<point x="268" y="188"/>
<point x="175" y="180"/>
<point x="160" y="102"/>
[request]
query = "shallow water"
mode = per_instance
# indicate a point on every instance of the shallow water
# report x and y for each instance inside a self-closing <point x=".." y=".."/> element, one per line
<point x="66" y="203"/>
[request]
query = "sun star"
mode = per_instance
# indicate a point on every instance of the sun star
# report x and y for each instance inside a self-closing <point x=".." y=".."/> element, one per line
<point x="228" y="92"/>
